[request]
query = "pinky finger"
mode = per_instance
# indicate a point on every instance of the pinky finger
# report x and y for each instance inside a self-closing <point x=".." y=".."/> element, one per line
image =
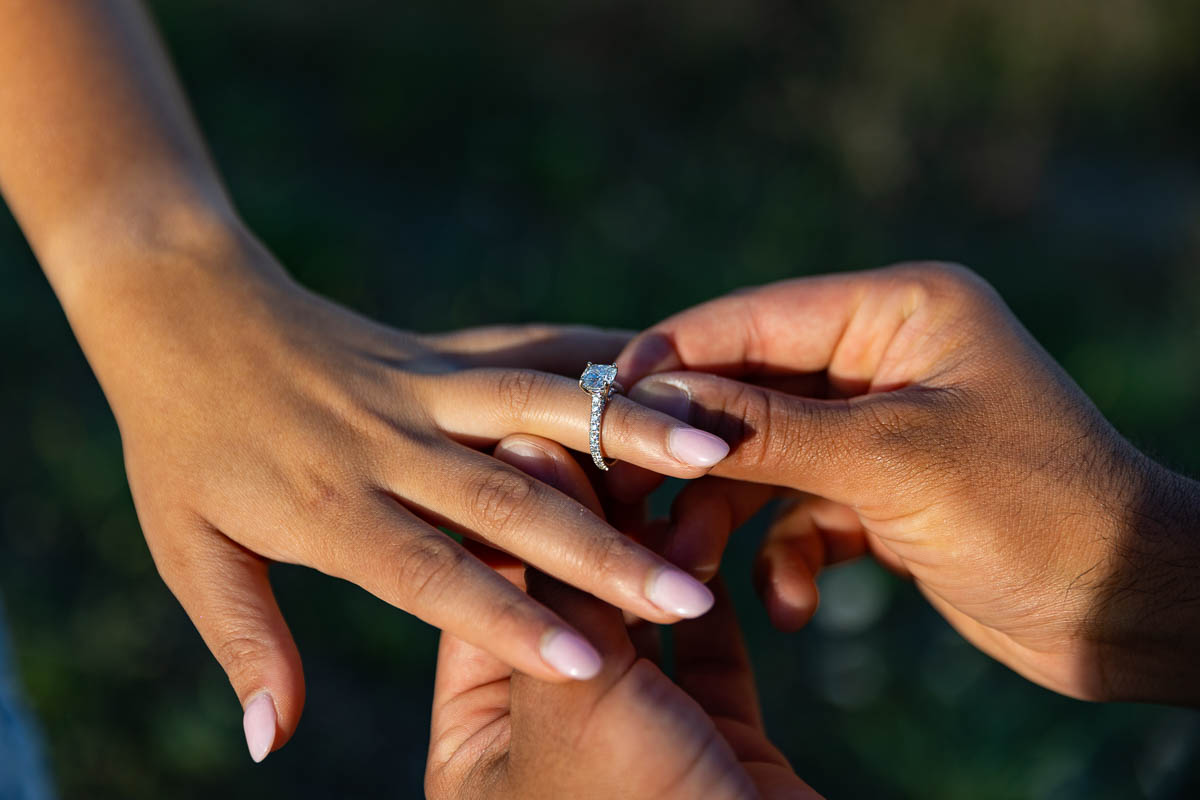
<point x="225" y="590"/>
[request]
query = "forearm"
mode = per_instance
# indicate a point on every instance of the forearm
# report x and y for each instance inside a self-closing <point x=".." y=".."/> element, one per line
<point x="99" y="155"/>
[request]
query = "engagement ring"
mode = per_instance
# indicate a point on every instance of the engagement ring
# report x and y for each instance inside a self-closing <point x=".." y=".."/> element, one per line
<point x="600" y="381"/>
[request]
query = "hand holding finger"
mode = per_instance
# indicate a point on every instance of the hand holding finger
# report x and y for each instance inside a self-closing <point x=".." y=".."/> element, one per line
<point x="488" y="500"/>
<point x="554" y="407"/>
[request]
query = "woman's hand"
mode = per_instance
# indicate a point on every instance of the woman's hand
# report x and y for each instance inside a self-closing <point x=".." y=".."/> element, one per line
<point x="630" y="732"/>
<point x="262" y="423"/>
<point x="919" y="420"/>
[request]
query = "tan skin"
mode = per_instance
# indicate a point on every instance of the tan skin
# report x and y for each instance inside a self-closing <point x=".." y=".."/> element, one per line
<point x="631" y="732"/>
<point x="262" y="423"/>
<point x="905" y="412"/>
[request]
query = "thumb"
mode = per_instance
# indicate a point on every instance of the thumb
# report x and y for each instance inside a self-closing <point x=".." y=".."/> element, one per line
<point x="834" y="448"/>
<point x="226" y="591"/>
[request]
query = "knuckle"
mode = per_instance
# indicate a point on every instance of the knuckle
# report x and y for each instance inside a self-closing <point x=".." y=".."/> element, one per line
<point x="608" y="556"/>
<point x="515" y="391"/>
<point x="938" y="273"/>
<point x="764" y="429"/>
<point x="240" y="652"/>
<point x="320" y="495"/>
<point x="624" y="422"/>
<point x="942" y="279"/>
<point x="741" y="417"/>
<point x="427" y="567"/>
<point x="500" y="499"/>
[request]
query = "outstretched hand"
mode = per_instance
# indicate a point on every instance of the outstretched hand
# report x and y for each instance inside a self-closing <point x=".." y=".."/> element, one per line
<point x="262" y="423"/>
<point x="630" y="732"/>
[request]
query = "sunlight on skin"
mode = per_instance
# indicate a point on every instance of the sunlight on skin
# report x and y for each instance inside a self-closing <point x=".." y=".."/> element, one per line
<point x="935" y="433"/>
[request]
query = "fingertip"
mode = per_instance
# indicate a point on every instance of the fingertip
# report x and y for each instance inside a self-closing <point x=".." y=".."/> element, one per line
<point x="528" y="455"/>
<point x="788" y="592"/>
<point x="571" y="655"/>
<point x="678" y="593"/>
<point x="688" y="445"/>
<point x="786" y="588"/>
<point x="687" y="548"/>
<point x="697" y="448"/>
<point x="549" y="463"/>
<point x="652" y="351"/>
<point x="260" y="724"/>
<point x="789" y="613"/>
<point x="668" y="397"/>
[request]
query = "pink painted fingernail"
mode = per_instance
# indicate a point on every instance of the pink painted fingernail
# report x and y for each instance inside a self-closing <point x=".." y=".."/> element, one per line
<point x="696" y="448"/>
<point x="259" y="725"/>
<point x="677" y="592"/>
<point x="571" y="655"/>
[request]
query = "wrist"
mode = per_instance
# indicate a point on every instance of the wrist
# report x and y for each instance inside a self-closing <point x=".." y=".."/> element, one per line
<point x="1144" y="624"/>
<point x="100" y="257"/>
<point x="173" y="279"/>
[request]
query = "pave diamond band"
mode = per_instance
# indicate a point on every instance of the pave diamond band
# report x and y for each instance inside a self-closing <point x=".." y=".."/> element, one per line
<point x="600" y="381"/>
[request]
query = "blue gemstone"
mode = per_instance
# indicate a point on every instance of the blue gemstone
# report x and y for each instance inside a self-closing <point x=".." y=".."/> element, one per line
<point x="597" y="376"/>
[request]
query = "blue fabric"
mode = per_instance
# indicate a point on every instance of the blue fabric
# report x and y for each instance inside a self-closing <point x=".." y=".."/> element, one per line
<point x="21" y="774"/>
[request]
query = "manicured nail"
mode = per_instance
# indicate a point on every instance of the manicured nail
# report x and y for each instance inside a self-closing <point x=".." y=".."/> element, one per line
<point x="259" y="725"/>
<point x="693" y="447"/>
<point x="662" y="396"/>
<point x="696" y="448"/>
<point x="571" y="655"/>
<point x="678" y="593"/>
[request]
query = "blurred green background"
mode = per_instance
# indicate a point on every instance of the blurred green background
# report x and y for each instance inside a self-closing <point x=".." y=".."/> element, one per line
<point x="437" y="165"/>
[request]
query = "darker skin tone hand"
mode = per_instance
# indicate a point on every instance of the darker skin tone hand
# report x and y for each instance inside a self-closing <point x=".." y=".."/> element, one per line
<point x="906" y="413"/>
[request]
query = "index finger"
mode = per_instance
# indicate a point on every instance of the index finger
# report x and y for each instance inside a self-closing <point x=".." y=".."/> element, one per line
<point x="747" y="330"/>
<point x="841" y="323"/>
<point x="559" y="349"/>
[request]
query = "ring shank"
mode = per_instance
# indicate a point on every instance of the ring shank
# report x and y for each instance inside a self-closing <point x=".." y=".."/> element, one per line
<point x="599" y="401"/>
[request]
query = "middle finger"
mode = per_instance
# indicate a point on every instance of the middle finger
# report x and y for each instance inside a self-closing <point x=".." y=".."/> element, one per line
<point x="487" y="499"/>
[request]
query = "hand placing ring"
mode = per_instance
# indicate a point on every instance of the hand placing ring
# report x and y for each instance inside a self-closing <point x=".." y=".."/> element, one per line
<point x="600" y="381"/>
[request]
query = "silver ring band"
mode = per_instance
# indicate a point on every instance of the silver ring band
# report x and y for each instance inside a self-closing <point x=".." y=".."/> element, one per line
<point x="600" y="381"/>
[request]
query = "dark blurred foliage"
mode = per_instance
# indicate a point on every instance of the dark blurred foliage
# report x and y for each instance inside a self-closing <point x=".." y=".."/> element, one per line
<point x="437" y="165"/>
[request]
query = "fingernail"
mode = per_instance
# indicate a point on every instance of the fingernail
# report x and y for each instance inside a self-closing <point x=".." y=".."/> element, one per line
<point x="571" y="655"/>
<point x="259" y="725"/>
<point x="696" y="448"/>
<point x="662" y="396"/>
<point x="678" y="593"/>
<point x="650" y="352"/>
<point x="692" y="446"/>
<point x="530" y="459"/>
